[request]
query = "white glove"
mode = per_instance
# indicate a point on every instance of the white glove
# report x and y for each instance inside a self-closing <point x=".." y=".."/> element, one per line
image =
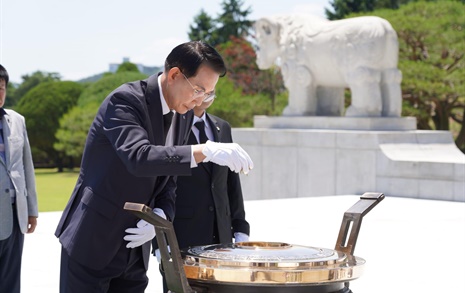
<point x="240" y="237"/>
<point x="158" y="254"/>
<point x="143" y="233"/>
<point x="228" y="154"/>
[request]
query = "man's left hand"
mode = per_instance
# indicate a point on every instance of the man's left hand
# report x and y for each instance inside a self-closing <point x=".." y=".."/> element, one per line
<point x="140" y="235"/>
<point x="143" y="233"/>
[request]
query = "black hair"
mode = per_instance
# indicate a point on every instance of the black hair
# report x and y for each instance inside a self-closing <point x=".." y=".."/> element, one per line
<point x="4" y="74"/>
<point x="189" y="56"/>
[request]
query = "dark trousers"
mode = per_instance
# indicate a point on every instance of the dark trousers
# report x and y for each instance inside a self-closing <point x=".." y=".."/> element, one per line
<point x="124" y="274"/>
<point x="11" y="251"/>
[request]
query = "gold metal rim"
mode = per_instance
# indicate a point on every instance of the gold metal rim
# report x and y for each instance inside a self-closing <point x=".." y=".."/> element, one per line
<point x="270" y="263"/>
<point x="342" y="272"/>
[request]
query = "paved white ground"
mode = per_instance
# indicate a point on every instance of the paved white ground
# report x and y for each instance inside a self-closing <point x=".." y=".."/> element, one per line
<point x="410" y="245"/>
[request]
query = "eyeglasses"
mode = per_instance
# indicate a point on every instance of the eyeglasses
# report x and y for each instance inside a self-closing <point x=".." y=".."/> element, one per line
<point x="199" y="93"/>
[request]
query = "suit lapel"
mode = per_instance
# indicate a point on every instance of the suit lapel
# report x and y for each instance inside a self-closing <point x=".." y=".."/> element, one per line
<point x="155" y="113"/>
<point x="6" y="122"/>
<point x="155" y="117"/>
<point x="213" y="123"/>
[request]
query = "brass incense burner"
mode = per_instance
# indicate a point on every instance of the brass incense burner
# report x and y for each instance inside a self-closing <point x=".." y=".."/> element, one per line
<point x="272" y="267"/>
<point x="269" y="263"/>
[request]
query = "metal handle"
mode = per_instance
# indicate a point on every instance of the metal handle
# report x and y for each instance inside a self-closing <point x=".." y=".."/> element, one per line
<point x="353" y="220"/>
<point x="173" y="266"/>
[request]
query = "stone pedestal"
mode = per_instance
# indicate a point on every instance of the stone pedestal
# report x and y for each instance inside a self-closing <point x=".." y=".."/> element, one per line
<point x="312" y="158"/>
<point x="336" y="123"/>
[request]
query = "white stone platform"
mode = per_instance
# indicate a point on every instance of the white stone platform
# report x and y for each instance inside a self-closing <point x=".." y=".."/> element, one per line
<point x="409" y="245"/>
<point x="302" y="162"/>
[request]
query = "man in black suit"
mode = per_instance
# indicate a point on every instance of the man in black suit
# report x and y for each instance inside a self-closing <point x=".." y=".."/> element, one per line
<point x="104" y="247"/>
<point x="209" y="204"/>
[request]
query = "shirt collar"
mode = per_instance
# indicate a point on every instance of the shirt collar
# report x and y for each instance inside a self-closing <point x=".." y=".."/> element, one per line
<point x="164" y="106"/>
<point x="203" y="117"/>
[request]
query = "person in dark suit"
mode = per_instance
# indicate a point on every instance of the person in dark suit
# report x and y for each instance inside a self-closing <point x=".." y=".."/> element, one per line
<point x="104" y="247"/>
<point x="209" y="204"/>
<point x="18" y="196"/>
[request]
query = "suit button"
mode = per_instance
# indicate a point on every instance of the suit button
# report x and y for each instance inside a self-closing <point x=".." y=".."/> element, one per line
<point x="7" y="190"/>
<point x="213" y="185"/>
<point x="210" y="208"/>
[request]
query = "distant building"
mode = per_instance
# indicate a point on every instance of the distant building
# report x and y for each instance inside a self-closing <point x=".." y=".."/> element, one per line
<point x="142" y="68"/>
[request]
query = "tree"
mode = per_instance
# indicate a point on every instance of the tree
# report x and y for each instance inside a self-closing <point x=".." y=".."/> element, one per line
<point x="232" y="22"/>
<point x="203" y="28"/>
<point x="242" y="69"/>
<point x="127" y="67"/>
<point x="342" y="8"/>
<point x="74" y="125"/>
<point x="97" y="91"/>
<point x="239" y="109"/>
<point x="240" y="60"/>
<point x="10" y="100"/>
<point x="431" y="58"/>
<point x="30" y="81"/>
<point x="42" y="107"/>
<point x="72" y="133"/>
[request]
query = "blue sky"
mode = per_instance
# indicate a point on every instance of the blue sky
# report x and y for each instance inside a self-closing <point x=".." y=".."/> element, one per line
<point x="80" y="38"/>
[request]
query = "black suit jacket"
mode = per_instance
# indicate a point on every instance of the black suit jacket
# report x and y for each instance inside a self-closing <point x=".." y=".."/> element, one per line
<point x="208" y="196"/>
<point x="124" y="160"/>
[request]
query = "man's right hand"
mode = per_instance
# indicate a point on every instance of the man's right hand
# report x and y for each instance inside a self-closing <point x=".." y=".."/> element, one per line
<point x="228" y="154"/>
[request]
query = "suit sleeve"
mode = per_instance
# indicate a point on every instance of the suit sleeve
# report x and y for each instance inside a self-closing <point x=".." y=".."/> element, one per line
<point x="236" y="200"/>
<point x="32" y="206"/>
<point x="166" y="198"/>
<point x="125" y="125"/>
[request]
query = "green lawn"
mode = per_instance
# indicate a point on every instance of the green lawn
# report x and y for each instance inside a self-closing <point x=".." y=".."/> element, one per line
<point x="54" y="189"/>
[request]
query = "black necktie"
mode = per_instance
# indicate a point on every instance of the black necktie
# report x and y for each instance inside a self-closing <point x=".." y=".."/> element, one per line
<point x="167" y="118"/>
<point x="203" y="139"/>
<point x="201" y="127"/>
